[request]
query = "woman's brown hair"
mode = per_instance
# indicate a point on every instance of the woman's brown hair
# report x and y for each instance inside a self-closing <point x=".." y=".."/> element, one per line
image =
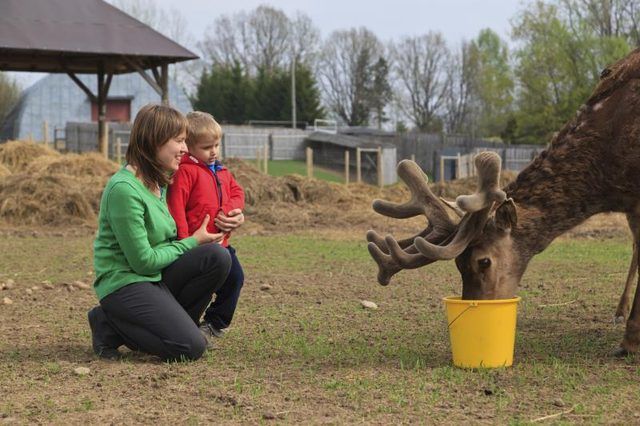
<point x="153" y="126"/>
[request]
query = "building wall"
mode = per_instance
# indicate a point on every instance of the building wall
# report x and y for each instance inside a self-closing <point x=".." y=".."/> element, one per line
<point x="58" y="100"/>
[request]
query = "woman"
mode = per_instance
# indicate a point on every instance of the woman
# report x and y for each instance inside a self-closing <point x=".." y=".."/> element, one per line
<point x="152" y="288"/>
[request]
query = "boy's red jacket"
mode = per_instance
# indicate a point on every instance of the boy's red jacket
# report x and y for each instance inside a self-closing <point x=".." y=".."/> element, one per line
<point x="194" y="193"/>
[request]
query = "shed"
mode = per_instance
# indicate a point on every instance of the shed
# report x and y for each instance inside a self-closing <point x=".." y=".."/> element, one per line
<point x="329" y="151"/>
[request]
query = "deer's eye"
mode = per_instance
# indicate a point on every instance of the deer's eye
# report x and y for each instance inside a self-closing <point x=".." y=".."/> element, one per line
<point x="484" y="263"/>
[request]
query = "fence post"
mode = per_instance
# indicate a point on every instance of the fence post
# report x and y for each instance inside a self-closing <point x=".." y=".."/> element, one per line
<point x="266" y="158"/>
<point x="413" y="158"/>
<point x="118" y="150"/>
<point x="104" y="139"/>
<point x="346" y="167"/>
<point x="258" y="161"/>
<point x="45" y="133"/>
<point x="309" y="162"/>
<point x="458" y="167"/>
<point x="358" y="166"/>
<point x="441" y="168"/>
<point x="379" y="167"/>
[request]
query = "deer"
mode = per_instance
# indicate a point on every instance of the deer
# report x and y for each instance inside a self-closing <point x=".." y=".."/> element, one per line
<point x="591" y="166"/>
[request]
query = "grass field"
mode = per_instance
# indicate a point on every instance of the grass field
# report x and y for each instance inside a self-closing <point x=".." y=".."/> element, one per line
<point x="305" y="351"/>
<point x="287" y="167"/>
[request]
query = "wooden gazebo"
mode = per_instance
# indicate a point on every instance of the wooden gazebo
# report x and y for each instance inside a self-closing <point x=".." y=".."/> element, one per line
<point x="85" y="37"/>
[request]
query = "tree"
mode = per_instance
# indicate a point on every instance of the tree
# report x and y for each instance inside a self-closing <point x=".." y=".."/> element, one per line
<point x="380" y="93"/>
<point x="458" y="107"/>
<point x="232" y="96"/>
<point x="172" y="24"/>
<point x="264" y="39"/>
<point x="422" y="78"/>
<point x="308" y="102"/>
<point x="557" y="67"/>
<point x="347" y="72"/>
<point x="9" y="94"/>
<point x="226" y="92"/>
<point x="492" y="83"/>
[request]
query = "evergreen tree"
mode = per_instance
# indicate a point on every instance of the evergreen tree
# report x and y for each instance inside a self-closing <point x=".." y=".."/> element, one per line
<point x="380" y="92"/>
<point x="225" y="92"/>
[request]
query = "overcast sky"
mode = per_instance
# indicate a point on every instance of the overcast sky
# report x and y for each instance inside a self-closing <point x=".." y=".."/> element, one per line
<point x="388" y="19"/>
<point x="456" y="19"/>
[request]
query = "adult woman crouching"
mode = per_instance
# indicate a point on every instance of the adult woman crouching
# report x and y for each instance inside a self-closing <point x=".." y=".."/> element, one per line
<point x="152" y="288"/>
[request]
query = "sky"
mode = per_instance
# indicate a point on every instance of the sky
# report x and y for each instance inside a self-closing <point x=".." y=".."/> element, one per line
<point x="389" y="20"/>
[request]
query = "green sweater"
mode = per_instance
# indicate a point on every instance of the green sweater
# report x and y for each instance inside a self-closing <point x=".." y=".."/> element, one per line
<point x="136" y="235"/>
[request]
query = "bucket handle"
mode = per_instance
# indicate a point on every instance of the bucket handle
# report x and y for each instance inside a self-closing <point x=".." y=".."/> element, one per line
<point x="471" y="305"/>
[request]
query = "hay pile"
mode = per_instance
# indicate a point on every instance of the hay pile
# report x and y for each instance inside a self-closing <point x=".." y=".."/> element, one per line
<point x="16" y="155"/>
<point x="44" y="187"/>
<point x="39" y="186"/>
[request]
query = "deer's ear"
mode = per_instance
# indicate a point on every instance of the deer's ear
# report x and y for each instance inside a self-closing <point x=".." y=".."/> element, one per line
<point x="506" y="216"/>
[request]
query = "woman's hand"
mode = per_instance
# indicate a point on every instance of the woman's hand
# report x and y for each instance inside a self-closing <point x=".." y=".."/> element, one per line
<point x="232" y="221"/>
<point x="203" y="236"/>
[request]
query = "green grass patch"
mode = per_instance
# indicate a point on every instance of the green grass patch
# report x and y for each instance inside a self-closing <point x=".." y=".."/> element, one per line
<point x="288" y="167"/>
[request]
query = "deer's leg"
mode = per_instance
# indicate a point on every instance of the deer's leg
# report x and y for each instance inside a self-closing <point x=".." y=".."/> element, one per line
<point x="624" y="306"/>
<point x="631" y="342"/>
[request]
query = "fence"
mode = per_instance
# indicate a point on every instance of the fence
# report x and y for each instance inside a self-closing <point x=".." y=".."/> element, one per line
<point x="444" y="157"/>
<point x="283" y="144"/>
<point x="83" y="137"/>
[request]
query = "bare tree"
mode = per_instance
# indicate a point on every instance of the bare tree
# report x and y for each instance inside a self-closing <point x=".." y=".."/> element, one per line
<point x="346" y="73"/>
<point x="422" y="77"/>
<point x="305" y="40"/>
<point x="172" y="24"/>
<point x="458" y="105"/>
<point x="264" y="38"/>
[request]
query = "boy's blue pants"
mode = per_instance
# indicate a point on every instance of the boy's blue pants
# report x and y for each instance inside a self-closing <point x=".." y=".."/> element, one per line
<point x="220" y="312"/>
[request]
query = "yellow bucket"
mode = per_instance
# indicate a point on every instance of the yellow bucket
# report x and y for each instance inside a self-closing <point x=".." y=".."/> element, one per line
<point x="482" y="332"/>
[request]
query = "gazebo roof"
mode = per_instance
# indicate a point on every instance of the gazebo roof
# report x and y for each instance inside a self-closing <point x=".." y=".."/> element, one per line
<point x="73" y="36"/>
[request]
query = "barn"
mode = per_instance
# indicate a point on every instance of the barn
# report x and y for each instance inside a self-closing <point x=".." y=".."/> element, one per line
<point x="57" y="100"/>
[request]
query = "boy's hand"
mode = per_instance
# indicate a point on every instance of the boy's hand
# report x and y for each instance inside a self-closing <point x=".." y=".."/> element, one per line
<point x="203" y="236"/>
<point x="227" y="223"/>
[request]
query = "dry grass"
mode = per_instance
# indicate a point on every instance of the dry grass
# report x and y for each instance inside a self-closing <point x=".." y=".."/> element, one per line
<point x="16" y="155"/>
<point x="42" y="187"/>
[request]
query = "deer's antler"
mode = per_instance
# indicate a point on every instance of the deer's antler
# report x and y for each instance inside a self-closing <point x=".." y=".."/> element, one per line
<point x="443" y="238"/>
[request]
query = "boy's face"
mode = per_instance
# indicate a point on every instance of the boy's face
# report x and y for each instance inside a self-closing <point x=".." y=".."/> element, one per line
<point x="206" y="149"/>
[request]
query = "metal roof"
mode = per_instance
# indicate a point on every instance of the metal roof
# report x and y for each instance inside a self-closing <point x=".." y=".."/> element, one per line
<point x="76" y="35"/>
<point x="348" y="141"/>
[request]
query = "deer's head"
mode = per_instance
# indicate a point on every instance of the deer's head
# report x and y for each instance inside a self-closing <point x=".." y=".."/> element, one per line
<point x="475" y="230"/>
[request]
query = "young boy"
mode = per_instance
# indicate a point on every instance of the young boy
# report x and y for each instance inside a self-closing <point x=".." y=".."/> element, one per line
<point x="203" y="186"/>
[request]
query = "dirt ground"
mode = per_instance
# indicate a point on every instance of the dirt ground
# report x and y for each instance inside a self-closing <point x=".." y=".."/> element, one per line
<point x="302" y="349"/>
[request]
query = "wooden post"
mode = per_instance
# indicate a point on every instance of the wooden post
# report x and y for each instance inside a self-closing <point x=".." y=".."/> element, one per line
<point x="103" y="141"/>
<point x="413" y="158"/>
<point x="441" y="168"/>
<point x="45" y="133"/>
<point x="458" y="167"/>
<point x="358" y="166"/>
<point x="164" y="83"/>
<point x="118" y="150"/>
<point x="258" y="161"/>
<point x="309" y="162"/>
<point x="379" y="167"/>
<point x="346" y="167"/>
<point x="266" y="158"/>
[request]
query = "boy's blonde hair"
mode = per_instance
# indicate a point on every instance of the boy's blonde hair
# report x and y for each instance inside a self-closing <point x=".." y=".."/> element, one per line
<point x="202" y="124"/>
